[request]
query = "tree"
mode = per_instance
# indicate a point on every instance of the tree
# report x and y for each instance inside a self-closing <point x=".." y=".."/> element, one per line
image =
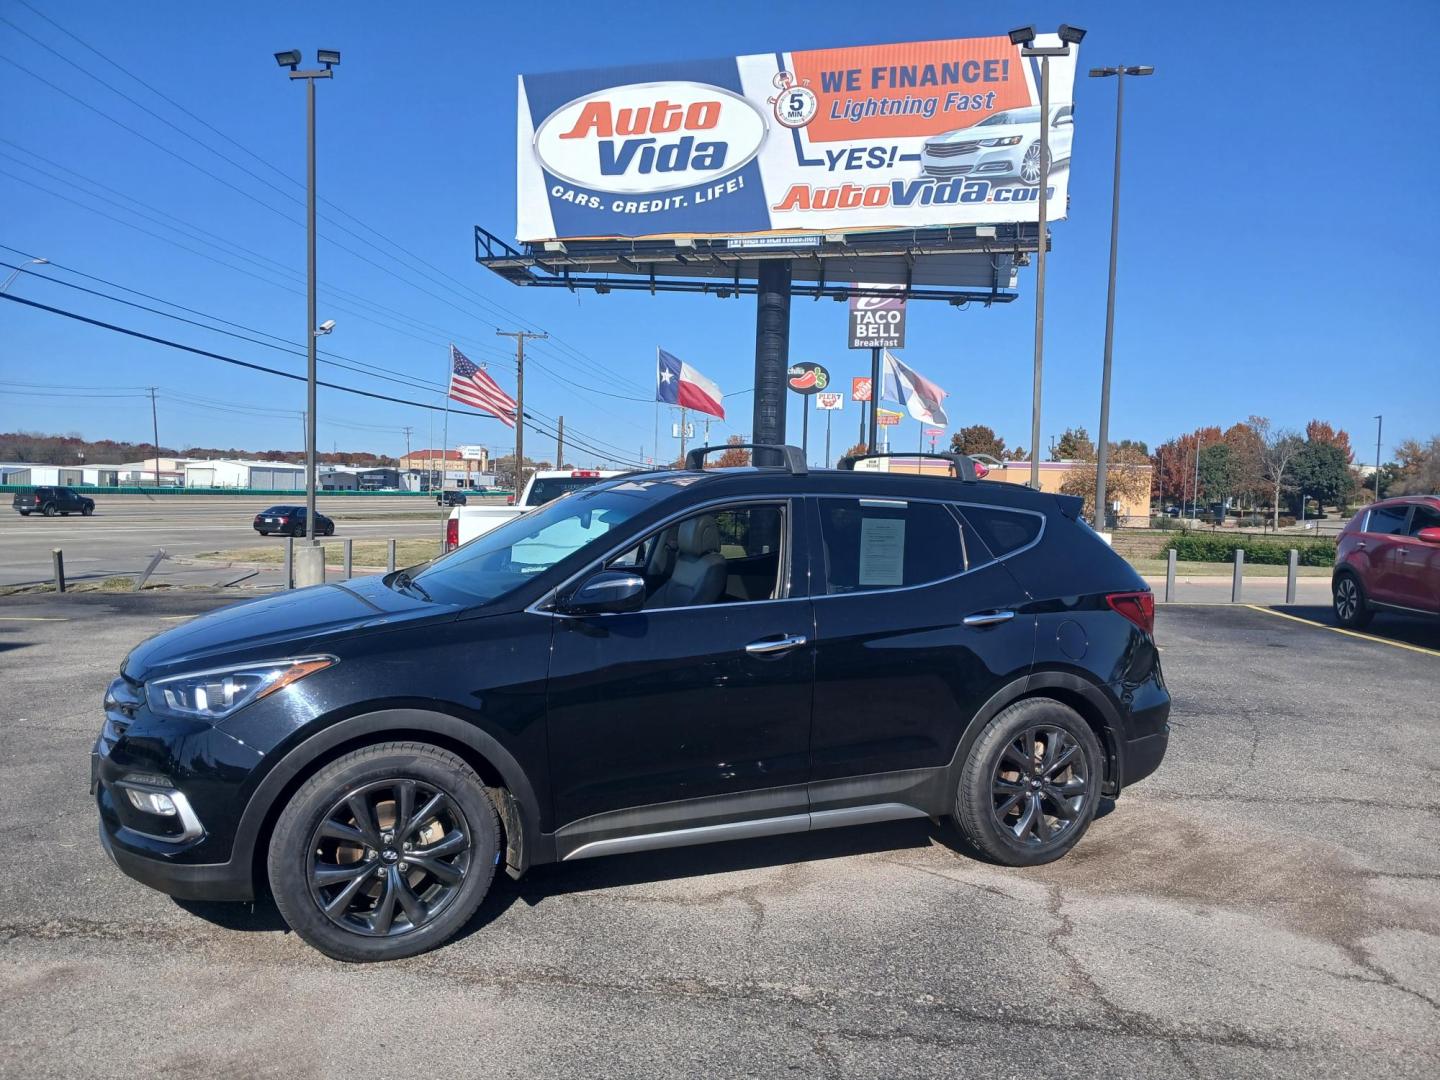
<point x="1320" y="471"/>
<point x="1125" y="478"/>
<point x="1418" y="467"/>
<point x="978" y="439"/>
<point x="855" y="451"/>
<point x="1278" y="447"/>
<point x="1320" y="431"/>
<point x="1217" y="472"/>
<point x="732" y="459"/>
<point x="1174" y="463"/>
<point x="1246" y="466"/>
<point x="1074" y="445"/>
<point x="1132" y="444"/>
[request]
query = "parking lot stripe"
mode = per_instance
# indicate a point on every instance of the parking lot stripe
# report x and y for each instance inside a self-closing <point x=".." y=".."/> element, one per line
<point x="33" y="618"/>
<point x="1347" y="633"/>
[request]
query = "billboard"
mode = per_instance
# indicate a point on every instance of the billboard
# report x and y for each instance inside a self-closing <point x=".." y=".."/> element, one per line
<point x="913" y="135"/>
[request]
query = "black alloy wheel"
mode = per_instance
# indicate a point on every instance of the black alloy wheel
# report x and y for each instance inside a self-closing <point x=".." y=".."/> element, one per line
<point x="49" y="510"/>
<point x="1030" y="785"/>
<point x="87" y="510"/>
<point x="385" y="852"/>
<point x="389" y="857"/>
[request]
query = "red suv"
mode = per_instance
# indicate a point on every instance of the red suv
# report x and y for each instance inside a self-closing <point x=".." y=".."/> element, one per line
<point x="1388" y="559"/>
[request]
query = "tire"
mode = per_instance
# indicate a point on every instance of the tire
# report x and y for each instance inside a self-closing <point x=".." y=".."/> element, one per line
<point x="86" y="511"/>
<point x="377" y="920"/>
<point x="1351" y="606"/>
<point x="49" y="510"/>
<point x="297" y="530"/>
<point x="996" y="804"/>
<point x="330" y="529"/>
<point x="1029" y="170"/>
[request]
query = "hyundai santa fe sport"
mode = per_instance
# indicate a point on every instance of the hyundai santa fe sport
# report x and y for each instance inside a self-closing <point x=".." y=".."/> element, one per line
<point x="663" y="658"/>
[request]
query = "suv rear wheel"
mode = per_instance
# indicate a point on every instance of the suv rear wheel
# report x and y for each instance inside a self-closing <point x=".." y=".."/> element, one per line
<point x="49" y="510"/>
<point x="1351" y="607"/>
<point x="1031" y="784"/>
<point x="385" y="852"/>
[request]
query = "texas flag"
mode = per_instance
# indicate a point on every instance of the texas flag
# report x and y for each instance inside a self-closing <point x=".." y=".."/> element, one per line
<point x="677" y="383"/>
<point x="918" y="394"/>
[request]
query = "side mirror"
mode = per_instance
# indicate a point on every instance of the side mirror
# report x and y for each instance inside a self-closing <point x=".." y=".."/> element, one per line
<point x="1063" y="121"/>
<point x="1430" y="535"/>
<point x="606" y="592"/>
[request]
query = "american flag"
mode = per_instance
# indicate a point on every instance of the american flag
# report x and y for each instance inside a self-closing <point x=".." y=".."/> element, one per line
<point x="471" y="385"/>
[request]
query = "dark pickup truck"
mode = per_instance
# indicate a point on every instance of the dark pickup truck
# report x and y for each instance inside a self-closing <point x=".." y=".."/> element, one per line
<point x="51" y="501"/>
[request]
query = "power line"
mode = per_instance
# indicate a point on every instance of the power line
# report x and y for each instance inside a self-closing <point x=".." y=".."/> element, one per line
<point x="76" y="316"/>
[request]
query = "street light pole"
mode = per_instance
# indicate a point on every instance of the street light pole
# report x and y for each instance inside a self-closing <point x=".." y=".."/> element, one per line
<point x="23" y="268"/>
<point x="1379" y="423"/>
<point x="1103" y="462"/>
<point x="1025" y="38"/>
<point x="291" y="59"/>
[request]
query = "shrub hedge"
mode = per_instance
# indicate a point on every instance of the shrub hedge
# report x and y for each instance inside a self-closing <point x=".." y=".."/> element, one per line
<point x="1220" y="547"/>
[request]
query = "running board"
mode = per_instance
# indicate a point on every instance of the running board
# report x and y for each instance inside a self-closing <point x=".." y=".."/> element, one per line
<point x="745" y="830"/>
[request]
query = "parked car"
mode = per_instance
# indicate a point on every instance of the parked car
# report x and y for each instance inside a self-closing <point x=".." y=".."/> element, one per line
<point x="450" y="498"/>
<point x="290" y="521"/>
<point x="664" y="658"/>
<point x="1005" y="146"/>
<point x="51" y="501"/>
<point x="543" y="486"/>
<point x="1388" y="559"/>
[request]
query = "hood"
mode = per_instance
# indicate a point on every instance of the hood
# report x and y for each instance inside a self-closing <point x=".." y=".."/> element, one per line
<point x="304" y="619"/>
<point x="981" y="134"/>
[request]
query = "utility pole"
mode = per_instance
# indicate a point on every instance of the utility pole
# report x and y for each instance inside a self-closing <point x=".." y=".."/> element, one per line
<point x="560" y="443"/>
<point x="682" y="433"/>
<point x="407" y="431"/>
<point x="1379" y="423"/>
<point x="520" y="336"/>
<point x="155" y="427"/>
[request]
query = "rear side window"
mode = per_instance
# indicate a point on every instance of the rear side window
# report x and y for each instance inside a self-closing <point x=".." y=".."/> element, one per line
<point x="1002" y="531"/>
<point x="1389" y="520"/>
<point x="887" y="544"/>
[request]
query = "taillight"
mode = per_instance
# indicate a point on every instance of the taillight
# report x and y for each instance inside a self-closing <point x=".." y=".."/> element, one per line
<point x="981" y="470"/>
<point x="585" y="472"/>
<point x="1138" y="607"/>
<point x="509" y="500"/>
<point x="284" y="521"/>
<point x="452" y="534"/>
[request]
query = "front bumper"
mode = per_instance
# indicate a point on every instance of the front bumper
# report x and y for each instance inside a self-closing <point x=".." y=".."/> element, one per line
<point x="1000" y="164"/>
<point x="184" y="881"/>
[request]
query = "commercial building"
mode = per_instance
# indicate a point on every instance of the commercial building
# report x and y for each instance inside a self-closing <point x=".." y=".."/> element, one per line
<point x="254" y="475"/>
<point x="467" y="467"/>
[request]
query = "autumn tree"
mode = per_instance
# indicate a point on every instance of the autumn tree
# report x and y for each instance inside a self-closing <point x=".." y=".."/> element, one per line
<point x="978" y="439"/>
<point x="1126" y="478"/>
<point x="1418" y="467"/>
<point x="732" y="458"/>
<point x="1320" y="432"/>
<point x="1074" y="445"/>
<point x="1174" y="463"/>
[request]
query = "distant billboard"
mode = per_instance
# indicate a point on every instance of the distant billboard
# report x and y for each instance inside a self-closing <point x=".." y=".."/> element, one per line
<point x="915" y="135"/>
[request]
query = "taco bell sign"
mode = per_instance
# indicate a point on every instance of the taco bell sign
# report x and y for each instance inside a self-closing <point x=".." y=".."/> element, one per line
<point x="878" y="322"/>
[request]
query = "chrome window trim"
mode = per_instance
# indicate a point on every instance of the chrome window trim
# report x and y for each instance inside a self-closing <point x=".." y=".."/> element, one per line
<point x="787" y="567"/>
<point x="960" y="524"/>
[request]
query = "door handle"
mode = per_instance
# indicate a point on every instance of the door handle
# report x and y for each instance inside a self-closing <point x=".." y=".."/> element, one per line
<point x="766" y="648"/>
<point x="1360" y="545"/>
<point x="988" y="618"/>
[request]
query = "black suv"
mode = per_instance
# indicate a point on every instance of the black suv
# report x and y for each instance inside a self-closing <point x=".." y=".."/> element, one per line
<point x="51" y="501"/>
<point x="660" y="659"/>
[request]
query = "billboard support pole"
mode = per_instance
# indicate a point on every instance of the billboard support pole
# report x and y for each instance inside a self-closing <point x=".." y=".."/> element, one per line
<point x="1042" y="242"/>
<point x="827" y="436"/>
<point x="874" y="399"/>
<point x="805" y="429"/>
<point x="772" y="355"/>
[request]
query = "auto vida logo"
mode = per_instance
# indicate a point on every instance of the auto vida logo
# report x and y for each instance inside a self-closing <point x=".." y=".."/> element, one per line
<point x="648" y="137"/>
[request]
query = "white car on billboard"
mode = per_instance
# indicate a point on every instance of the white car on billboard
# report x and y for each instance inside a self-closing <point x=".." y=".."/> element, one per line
<point x="1005" y="146"/>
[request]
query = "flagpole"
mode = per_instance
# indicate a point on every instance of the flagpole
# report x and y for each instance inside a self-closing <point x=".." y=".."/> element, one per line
<point x="655" y="447"/>
<point x="682" y="433"/>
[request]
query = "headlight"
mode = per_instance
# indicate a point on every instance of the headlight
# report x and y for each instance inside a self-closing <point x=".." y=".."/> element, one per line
<point x="214" y="695"/>
<point x="1013" y="140"/>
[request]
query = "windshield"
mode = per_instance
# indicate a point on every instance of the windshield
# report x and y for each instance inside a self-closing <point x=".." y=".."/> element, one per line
<point x="552" y="487"/>
<point x="505" y="558"/>
<point x="1011" y="116"/>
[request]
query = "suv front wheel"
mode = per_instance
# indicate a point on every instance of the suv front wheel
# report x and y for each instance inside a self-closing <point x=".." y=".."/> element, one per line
<point x="1030" y="785"/>
<point x="385" y="852"/>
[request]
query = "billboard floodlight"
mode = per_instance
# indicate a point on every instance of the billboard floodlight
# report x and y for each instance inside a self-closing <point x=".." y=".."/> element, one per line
<point x="289" y="58"/>
<point x="1022" y="35"/>
<point x="1071" y="35"/>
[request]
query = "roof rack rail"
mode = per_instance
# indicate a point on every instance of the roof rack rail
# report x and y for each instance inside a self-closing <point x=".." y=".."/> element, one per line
<point x="966" y="468"/>
<point x="794" y="457"/>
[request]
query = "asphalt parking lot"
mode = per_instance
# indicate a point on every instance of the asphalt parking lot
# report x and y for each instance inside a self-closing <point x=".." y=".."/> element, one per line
<point x="1268" y="904"/>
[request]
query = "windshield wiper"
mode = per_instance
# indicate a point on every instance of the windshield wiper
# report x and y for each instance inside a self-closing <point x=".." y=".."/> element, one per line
<point x="403" y="580"/>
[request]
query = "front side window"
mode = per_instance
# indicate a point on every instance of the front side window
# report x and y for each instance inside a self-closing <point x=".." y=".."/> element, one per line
<point x="727" y="555"/>
<point x="505" y="558"/>
<point x="887" y="544"/>
<point x="1388" y="520"/>
<point x="1424" y="517"/>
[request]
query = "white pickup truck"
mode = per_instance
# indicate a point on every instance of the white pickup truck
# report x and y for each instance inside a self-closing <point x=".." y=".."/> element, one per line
<point x="467" y="522"/>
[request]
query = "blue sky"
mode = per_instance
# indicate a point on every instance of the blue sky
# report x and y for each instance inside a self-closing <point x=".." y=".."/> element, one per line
<point x="1277" y="249"/>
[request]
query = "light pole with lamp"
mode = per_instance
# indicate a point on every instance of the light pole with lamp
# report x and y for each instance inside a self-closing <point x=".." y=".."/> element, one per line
<point x="22" y="269"/>
<point x="1025" y="38"/>
<point x="1103" y="462"/>
<point x="291" y="59"/>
